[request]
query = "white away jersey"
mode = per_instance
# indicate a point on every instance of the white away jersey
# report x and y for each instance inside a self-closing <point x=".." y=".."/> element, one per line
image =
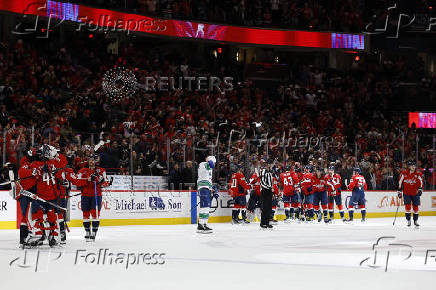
<point x="204" y="176"/>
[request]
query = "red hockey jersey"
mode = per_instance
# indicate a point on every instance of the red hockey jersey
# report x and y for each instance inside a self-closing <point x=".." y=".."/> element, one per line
<point x="358" y="182"/>
<point x="238" y="185"/>
<point x="319" y="184"/>
<point x="255" y="183"/>
<point x="333" y="183"/>
<point x="306" y="183"/>
<point x="410" y="182"/>
<point x="288" y="180"/>
<point x="46" y="187"/>
<point x="89" y="187"/>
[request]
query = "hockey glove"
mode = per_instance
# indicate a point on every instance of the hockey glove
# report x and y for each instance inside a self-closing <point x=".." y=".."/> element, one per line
<point x="215" y="191"/>
<point x="400" y="194"/>
<point x="419" y="193"/>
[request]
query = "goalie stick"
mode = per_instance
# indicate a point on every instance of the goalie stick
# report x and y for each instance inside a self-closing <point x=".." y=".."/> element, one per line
<point x="35" y="197"/>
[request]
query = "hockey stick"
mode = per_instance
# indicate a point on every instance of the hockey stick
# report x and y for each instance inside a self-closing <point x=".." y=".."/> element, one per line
<point x="396" y="213"/>
<point x="97" y="212"/>
<point x="35" y="197"/>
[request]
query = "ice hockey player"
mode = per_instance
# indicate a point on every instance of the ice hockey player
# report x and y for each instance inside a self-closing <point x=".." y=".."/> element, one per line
<point x="91" y="180"/>
<point x="288" y="180"/>
<point x="238" y="189"/>
<point x="44" y="170"/>
<point x="358" y="187"/>
<point x="320" y="195"/>
<point x="334" y="192"/>
<point x="298" y="207"/>
<point x="206" y="192"/>
<point x="410" y="187"/>
<point x="276" y="197"/>
<point x="254" y="199"/>
<point x="28" y="183"/>
<point x="306" y="183"/>
<point x="64" y="180"/>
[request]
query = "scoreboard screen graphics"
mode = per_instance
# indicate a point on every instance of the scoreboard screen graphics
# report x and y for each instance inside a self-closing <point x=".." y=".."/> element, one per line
<point x="422" y="120"/>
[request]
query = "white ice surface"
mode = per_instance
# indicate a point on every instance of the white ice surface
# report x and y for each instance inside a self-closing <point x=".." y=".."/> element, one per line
<point x="307" y="256"/>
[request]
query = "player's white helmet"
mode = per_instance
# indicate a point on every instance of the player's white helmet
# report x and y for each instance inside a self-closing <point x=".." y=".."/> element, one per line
<point x="211" y="160"/>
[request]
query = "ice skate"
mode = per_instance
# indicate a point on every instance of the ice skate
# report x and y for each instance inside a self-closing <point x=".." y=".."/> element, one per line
<point x="88" y="236"/>
<point x="203" y="229"/>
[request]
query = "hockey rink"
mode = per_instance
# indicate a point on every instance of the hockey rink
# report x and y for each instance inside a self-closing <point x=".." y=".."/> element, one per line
<point x="307" y="256"/>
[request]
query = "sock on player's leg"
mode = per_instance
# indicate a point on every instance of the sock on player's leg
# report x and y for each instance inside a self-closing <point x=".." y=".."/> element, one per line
<point x="351" y="214"/>
<point x="408" y="216"/>
<point x="363" y="212"/>
<point x="287" y="213"/>
<point x="234" y="214"/>
<point x="95" y="225"/>
<point x="24" y="231"/>
<point x="87" y="226"/>
<point x="341" y="213"/>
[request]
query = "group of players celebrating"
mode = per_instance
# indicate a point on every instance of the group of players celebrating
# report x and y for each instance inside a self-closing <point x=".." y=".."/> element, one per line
<point x="44" y="183"/>
<point x="42" y="190"/>
<point x="310" y="194"/>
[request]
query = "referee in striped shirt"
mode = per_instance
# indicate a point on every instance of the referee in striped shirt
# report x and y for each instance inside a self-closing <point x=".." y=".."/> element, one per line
<point x="266" y="185"/>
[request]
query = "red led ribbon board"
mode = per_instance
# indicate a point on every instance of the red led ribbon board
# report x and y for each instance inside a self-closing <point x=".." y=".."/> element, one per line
<point x="184" y="29"/>
<point x="422" y="120"/>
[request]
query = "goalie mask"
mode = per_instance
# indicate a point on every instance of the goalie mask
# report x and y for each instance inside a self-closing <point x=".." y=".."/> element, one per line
<point x="48" y="152"/>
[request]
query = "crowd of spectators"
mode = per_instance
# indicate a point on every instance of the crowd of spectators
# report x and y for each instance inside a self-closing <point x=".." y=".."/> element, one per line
<point x="324" y="116"/>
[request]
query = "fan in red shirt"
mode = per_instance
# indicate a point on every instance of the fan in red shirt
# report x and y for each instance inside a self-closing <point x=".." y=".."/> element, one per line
<point x="334" y="192"/>
<point x="288" y="181"/>
<point x="237" y="189"/>
<point x="411" y="183"/>
<point x="91" y="180"/>
<point x="44" y="170"/>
